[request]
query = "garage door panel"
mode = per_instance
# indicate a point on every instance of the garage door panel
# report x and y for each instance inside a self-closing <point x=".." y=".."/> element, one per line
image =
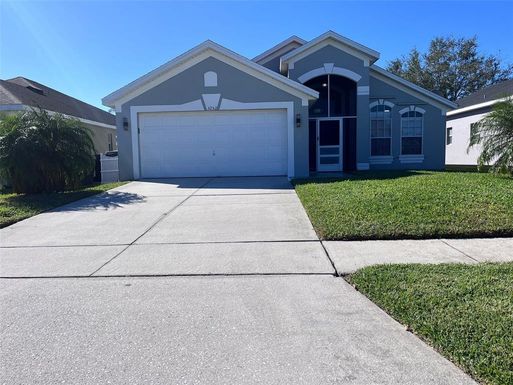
<point x="217" y="143"/>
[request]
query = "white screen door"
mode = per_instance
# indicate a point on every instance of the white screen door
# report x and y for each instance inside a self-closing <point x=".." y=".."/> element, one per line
<point x="329" y="145"/>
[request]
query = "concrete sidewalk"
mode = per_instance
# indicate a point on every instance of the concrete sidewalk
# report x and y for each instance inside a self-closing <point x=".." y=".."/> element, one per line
<point x="349" y="256"/>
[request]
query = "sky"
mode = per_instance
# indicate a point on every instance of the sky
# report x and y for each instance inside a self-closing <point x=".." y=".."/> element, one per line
<point x="88" y="49"/>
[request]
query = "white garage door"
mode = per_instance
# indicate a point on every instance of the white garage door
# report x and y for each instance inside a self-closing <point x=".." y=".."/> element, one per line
<point x="213" y="143"/>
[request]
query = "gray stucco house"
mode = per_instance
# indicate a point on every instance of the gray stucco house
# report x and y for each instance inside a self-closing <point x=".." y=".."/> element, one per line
<point x="299" y="108"/>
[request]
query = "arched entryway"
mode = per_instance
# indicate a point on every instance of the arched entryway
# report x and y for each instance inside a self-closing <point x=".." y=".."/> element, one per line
<point x="332" y="124"/>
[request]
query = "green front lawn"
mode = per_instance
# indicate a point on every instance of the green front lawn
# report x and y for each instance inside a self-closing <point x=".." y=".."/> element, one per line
<point x="16" y="207"/>
<point x="463" y="311"/>
<point x="394" y="205"/>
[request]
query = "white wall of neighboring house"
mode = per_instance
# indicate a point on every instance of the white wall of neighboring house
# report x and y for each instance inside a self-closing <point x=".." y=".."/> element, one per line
<point x="456" y="151"/>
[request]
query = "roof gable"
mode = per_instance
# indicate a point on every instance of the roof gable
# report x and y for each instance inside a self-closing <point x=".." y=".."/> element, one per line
<point x="279" y="49"/>
<point x="493" y="92"/>
<point x="196" y="55"/>
<point x="21" y="91"/>
<point x="407" y="86"/>
<point x="329" y="38"/>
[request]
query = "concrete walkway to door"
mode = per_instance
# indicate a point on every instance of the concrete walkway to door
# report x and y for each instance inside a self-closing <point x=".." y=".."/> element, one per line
<point x="205" y="281"/>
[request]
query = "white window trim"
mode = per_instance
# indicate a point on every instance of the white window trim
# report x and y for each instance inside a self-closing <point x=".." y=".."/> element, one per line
<point x="225" y="105"/>
<point x="448" y="134"/>
<point x="411" y="158"/>
<point x="329" y="69"/>
<point x="381" y="159"/>
<point x="381" y="101"/>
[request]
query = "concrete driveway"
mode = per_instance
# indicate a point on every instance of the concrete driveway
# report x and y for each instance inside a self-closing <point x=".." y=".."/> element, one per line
<point x="192" y="281"/>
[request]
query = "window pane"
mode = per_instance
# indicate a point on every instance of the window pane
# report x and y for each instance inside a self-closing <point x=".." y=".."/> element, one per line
<point x="374" y="129"/>
<point x="380" y="147"/>
<point x="320" y="106"/>
<point x="449" y="135"/>
<point x="343" y="96"/>
<point x="411" y="146"/>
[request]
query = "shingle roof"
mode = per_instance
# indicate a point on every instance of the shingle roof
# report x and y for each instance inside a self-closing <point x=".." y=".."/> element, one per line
<point x="24" y="91"/>
<point x="497" y="91"/>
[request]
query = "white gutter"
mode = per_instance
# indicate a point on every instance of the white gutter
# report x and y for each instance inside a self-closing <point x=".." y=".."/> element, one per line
<point x="476" y="106"/>
<point x="23" y="107"/>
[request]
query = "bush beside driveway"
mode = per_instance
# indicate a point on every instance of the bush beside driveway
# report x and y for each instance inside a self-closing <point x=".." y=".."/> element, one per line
<point x="409" y="205"/>
<point x="16" y="207"/>
<point x="464" y="311"/>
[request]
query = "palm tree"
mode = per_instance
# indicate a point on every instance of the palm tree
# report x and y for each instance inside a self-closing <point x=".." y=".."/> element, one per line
<point x="43" y="152"/>
<point x="495" y="135"/>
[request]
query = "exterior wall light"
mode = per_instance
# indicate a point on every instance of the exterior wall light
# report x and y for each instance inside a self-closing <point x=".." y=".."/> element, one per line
<point x="298" y="120"/>
<point x="125" y="124"/>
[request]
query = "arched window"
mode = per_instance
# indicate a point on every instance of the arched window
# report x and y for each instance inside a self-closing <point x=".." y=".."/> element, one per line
<point x="412" y="127"/>
<point x="337" y="96"/>
<point x="381" y="128"/>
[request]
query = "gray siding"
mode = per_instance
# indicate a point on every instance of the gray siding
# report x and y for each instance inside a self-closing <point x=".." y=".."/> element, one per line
<point x="188" y="86"/>
<point x="273" y="65"/>
<point x="434" y="127"/>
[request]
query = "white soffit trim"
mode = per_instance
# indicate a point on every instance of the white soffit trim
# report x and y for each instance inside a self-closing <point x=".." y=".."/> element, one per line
<point x="13" y="107"/>
<point x="330" y="38"/>
<point x="274" y="52"/>
<point x="406" y="86"/>
<point x="476" y="106"/>
<point x="196" y="55"/>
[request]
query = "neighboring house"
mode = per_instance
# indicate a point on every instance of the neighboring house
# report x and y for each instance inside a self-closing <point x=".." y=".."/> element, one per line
<point x="471" y="109"/>
<point x="19" y="94"/>
<point x="297" y="109"/>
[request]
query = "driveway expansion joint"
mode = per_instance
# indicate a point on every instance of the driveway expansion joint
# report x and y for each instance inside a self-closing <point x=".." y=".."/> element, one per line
<point x="151" y="226"/>
<point x="458" y="250"/>
<point x="336" y="273"/>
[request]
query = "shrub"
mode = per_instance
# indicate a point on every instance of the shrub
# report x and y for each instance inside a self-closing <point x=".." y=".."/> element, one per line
<point x="43" y="152"/>
<point x="495" y="134"/>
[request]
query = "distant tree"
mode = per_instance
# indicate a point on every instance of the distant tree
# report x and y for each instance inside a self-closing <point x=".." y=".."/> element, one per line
<point x="42" y="152"/>
<point x="494" y="133"/>
<point x="452" y="67"/>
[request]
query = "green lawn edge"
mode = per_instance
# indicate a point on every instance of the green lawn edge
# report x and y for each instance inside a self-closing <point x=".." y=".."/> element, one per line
<point x="391" y="205"/>
<point x="17" y="207"/>
<point x="465" y="312"/>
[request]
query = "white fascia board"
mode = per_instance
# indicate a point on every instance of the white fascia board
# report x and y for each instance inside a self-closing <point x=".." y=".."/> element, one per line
<point x="24" y="107"/>
<point x="476" y="106"/>
<point x="342" y="42"/>
<point x="196" y="55"/>
<point x="271" y="53"/>
<point x="409" y="87"/>
<point x="12" y="107"/>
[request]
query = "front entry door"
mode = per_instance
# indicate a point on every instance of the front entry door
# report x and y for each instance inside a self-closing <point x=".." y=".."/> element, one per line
<point x="329" y="145"/>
